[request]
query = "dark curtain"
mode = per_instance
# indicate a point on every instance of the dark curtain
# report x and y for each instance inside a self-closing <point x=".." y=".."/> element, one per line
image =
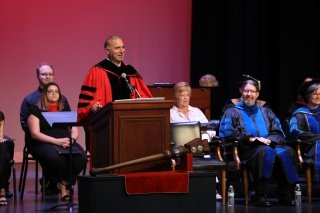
<point x="275" y="41"/>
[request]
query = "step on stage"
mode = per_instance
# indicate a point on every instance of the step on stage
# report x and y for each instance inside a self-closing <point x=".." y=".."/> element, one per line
<point x="108" y="193"/>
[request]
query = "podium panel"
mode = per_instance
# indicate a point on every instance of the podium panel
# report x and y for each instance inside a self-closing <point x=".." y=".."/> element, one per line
<point x="124" y="131"/>
<point x="107" y="193"/>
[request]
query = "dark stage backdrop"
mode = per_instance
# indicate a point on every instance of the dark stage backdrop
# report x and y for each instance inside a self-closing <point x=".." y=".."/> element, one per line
<point x="276" y="41"/>
<point x="70" y="34"/>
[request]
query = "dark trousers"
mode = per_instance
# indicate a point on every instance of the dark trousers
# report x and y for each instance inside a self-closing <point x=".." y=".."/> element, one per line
<point x="284" y="188"/>
<point x="57" y="166"/>
<point x="4" y="165"/>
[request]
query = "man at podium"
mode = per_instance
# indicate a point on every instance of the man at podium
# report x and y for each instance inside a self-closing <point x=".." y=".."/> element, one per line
<point x="109" y="80"/>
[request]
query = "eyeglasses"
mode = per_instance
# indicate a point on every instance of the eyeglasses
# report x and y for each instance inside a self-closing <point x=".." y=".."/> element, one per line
<point x="249" y="91"/>
<point x="53" y="91"/>
<point x="46" y="74"/>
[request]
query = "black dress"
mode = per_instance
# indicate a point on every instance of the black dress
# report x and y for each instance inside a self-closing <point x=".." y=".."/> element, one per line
<point x="51" y="157"/>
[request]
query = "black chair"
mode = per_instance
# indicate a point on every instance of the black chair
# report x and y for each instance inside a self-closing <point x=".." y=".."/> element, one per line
<point x="13" y="167"/>
<point x="235" y="167"/>
<point x="24" y="169"/>
<point x="182" y="133"/>
<point x="214" y="163"/>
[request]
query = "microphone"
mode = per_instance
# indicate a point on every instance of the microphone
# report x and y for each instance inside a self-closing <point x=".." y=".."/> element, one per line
<point x="124" y="76"/>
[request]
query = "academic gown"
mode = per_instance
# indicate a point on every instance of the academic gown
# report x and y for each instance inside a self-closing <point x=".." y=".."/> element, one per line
<point x="241" y="122"/>
<point x="104" y="84"/>
<point x="305" y="125"/>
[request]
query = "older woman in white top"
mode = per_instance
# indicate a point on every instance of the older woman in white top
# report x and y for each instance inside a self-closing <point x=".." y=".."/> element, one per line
<point x="183" y="112"/>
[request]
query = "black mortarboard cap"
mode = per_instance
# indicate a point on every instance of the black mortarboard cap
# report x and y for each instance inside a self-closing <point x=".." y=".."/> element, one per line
<point x="246" y="77"/>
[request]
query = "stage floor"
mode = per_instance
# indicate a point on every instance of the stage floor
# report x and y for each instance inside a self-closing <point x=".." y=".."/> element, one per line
<point x="33" y="202"/>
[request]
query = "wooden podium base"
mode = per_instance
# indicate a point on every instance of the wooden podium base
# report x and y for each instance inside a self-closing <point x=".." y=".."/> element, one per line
<point x="107" y="194"/>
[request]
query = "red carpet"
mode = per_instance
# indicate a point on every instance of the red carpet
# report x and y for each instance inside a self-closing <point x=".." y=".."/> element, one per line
<point x="157" y="182"/>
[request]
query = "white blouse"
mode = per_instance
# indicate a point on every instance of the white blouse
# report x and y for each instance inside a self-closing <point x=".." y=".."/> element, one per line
<point x="194" y="114"/>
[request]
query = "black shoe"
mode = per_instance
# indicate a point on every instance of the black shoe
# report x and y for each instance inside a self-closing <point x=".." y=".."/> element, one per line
<point x="286" y="201"/>
<point x="260" y="201"/>
<point x="50" y="187"/>
<point x="8" y="194"/>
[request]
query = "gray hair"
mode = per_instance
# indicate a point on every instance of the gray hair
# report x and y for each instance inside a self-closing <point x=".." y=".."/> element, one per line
<point x="110" y="38"/>
<point x="312" y="88"/>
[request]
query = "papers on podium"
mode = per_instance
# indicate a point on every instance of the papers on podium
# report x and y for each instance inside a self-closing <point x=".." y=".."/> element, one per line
<point x="60" y="117"/>
<point x="141" y="99"/>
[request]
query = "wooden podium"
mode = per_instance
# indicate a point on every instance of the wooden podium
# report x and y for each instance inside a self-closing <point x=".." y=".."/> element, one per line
<point x="127" y="130"/>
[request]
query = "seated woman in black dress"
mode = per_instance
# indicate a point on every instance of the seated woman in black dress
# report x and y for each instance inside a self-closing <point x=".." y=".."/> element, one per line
<point x="6" y="154"/>
<point x="50" y="141"/>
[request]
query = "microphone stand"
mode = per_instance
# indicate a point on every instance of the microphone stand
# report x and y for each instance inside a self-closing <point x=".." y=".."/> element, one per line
<point x="70" y="204"/>
<point x="130" y="87"/>
<point x="135" y="89"/>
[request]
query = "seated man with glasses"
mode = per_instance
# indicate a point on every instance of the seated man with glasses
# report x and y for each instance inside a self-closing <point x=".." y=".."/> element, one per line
<point x="261" y="145"/>
<point x="233" y="101"/>
<point x="45" y="75"/>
